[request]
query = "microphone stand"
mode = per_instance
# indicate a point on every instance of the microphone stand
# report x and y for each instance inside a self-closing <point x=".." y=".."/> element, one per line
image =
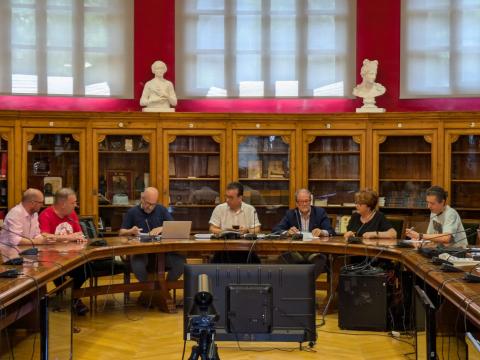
<point x="31" y="251"/>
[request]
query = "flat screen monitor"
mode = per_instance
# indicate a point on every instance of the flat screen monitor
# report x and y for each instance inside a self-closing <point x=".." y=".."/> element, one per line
<point x="425" y="327"/>
<point x="56" y="323"/>
<point x="257" y="302"/>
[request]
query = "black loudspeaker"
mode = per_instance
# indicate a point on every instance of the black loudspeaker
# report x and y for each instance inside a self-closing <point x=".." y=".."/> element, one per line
<point x="362" y="302"/>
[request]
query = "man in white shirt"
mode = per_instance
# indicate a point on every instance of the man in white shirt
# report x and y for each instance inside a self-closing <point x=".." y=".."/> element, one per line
<point x="235" y="215"/>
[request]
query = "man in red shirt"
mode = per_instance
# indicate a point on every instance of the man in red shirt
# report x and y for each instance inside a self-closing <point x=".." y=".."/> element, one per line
<point x="59" y="223"/>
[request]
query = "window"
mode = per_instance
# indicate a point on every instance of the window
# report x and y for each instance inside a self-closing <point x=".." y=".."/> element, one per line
<point x="67" y="47"/>
<point x="265" y="48"/>
<point x="440" y="48"/>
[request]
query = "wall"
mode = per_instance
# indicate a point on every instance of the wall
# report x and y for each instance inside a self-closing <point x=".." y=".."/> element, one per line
<point x="378" y="37"/>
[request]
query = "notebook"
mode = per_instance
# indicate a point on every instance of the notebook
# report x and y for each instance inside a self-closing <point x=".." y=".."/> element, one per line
<point x="176" y="230"/>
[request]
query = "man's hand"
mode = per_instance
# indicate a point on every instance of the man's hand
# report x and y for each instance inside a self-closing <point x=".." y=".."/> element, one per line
<point x="318" y="232"/>
<point x="412" y="234"/>
<point x="348" y="234"/>
<point x="243" y="230"/>
<point x="156" y="231"/>
<point x="293" y="230"/>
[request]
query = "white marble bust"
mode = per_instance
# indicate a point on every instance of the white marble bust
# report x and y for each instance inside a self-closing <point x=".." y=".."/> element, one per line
<point x="158" y="94"/>
<point x="368" y="89"/>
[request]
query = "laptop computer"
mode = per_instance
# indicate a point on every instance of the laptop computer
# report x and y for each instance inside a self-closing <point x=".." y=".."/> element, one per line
<point x="176" y="230"/>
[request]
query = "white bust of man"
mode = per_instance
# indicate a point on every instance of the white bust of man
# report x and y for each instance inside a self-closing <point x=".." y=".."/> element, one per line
<point x="368" y="89"/>
<point x="158" y="94"/>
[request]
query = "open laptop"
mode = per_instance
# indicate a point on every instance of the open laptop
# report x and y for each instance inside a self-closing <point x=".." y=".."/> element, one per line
<point x="176" y="230"/>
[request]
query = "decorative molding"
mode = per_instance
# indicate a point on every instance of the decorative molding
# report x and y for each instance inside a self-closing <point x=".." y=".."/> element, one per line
<point x="76" y="137"/>
<point x="146" y="138"/>
<point x="454" y="138"/>
<point x="381" y="139"/>
<point x="171" y="138"/>
<point x="217" y="138"/>
<point x="310" y="139"/>
<point x="100" y="138"/>
<point x="428" y="138"/>
<point x="358" y="139"/>
<point x="285" y="139"/>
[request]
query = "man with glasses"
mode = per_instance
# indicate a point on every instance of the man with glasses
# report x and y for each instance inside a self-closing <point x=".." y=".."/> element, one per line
<point x="59" y="222"/>
<point x="305" y="218"/>
<point x="22" y="220"/>
<point x="148" y="217"/>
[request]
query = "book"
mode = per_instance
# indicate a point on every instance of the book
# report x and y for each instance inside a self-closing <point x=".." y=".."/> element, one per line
<point x="4" y="165"/>
<point x="255" y="169"/>
<point x="213" y="167"/>
<point x="275" y="169"/>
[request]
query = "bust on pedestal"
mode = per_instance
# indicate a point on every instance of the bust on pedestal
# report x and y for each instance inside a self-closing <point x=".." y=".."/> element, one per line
<point x="158" y="94"/>
<point x="368" y="89"/>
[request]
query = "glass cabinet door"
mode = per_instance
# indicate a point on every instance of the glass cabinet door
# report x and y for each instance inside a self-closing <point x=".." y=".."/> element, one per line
<point x="405" y="171"/>
<point x="123" y="173"/>
<point x="465" y="172"/>
<point x="4" y="169"/>
<point x="264" y="171"/>
<point x="194" y="172"/>
<point x="53" y="162"/>
<point x="334" y="169"/>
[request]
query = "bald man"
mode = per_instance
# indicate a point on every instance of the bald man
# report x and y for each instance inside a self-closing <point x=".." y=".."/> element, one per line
<point x="148" y="217"/>
<point x="23" y="220"/>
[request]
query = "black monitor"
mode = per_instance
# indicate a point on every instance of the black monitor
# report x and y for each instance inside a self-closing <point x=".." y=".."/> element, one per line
<point x="257" y="302"/>
<point x="425" y="326"/>
<point x="56" y="323"/>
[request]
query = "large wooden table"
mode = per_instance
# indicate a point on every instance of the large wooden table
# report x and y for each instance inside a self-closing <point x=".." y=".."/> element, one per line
<point x="56" y="260"/>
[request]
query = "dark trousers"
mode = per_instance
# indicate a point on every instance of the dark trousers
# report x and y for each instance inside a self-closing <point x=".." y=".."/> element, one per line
<point x="317" y="259"/>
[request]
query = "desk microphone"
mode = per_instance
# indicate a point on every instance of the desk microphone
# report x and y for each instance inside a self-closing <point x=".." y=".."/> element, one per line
<point x="299" y="235"/>
<point x="12" y="261"/>
<point x="253" y="236"/>
<point x="430" y="252"/>
<point x="31" y="251"/>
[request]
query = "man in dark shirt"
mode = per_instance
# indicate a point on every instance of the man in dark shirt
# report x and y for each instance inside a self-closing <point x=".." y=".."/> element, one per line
<point x="148" y="217"/>
<point x="305" y="218"/>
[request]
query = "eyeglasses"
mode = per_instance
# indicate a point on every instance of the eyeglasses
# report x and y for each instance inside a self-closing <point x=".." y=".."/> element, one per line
<point x="149" y="204"/>
<point x="37" y="202"/>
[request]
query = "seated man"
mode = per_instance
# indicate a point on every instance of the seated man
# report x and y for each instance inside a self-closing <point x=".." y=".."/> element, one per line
<point x="59" y="223"/>
<point x="148" y="217"/>
<point x="234" y="215"/>
<point x="445" y="225"/>
<point x="22" y="220"/>
<point x="305" y="218"/>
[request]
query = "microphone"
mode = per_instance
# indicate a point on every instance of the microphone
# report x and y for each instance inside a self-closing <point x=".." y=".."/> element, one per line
<point x="31" y="251"/>
<point x="298" y="236"/>
<point x="430" y="252"/>
<point x="12" y="261"/>
<point x="148" y="226"/>
<point x="253" y="236"/>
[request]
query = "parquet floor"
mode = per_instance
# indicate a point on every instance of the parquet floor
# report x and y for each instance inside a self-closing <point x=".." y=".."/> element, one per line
<point x="119" y="332"/>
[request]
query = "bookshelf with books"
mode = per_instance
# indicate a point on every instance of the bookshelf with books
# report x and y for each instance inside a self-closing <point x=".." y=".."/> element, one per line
<point x="263" y="163"/>
<point x="405" y="167"/>
<point x="123" y="172"/>
<point x="334" y="169"/>
<point x="55" y="160"/>
<point x="193" y="173"/>
<point x="4" y="172"/>
<point x="463" y="169"/>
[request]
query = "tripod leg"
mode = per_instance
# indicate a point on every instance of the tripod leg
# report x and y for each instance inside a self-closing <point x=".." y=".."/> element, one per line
<point x="194" y="355"/>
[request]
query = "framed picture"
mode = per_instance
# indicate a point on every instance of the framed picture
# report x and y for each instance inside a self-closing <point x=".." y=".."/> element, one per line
<point x="119" y="182"/>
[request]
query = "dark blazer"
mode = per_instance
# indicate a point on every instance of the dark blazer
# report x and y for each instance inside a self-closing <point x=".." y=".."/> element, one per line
<point x="318" y="219"/>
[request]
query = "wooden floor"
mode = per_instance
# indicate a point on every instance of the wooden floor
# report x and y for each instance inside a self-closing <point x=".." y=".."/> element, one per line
<point x="131" y="332"/>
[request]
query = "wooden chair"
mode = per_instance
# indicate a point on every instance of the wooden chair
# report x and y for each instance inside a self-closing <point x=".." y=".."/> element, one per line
<point x="104" y="267"/>
<point x="333" y="220"/>
<point x="399" y="223"/>
<point x="472" y="235"/>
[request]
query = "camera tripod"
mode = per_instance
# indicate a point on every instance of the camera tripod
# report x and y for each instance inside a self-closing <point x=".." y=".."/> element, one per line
<point x="203" y="330"/>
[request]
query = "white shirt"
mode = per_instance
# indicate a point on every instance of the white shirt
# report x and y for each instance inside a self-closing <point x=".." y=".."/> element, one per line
<point x="225" y="218"/>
